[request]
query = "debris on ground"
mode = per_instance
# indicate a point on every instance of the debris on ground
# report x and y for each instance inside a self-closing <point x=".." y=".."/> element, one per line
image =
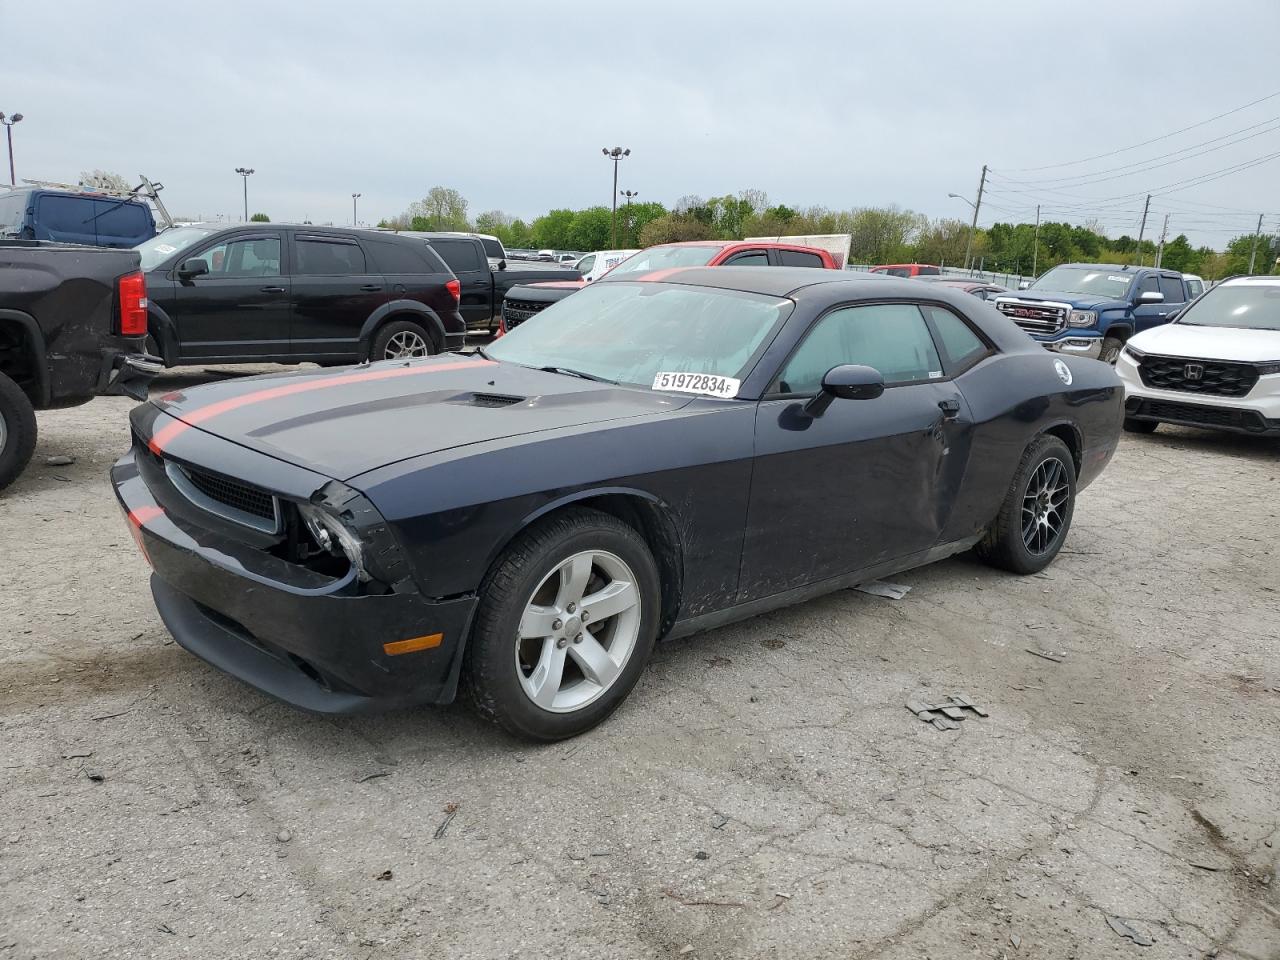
<point x="687" y="948"/>
<point x="59" y="461"/>
<point x="1125" y="929"/>
<point x="1048" y="654"/>
<point x="94" y="776"/>
<point x="718" y="661"/>
<point x="373" y="776"/>
<point x="773" y="643"/>
<point x="284" y="836"/>
<point x="450" y="810"/>
<point x="719" y="821"/>
<point x="878" y="588"/>
<point x="944" y="714"/>
<point x="1015" y="940"/>
<point x="702" y="855"/>
<point x="385" y="875"/>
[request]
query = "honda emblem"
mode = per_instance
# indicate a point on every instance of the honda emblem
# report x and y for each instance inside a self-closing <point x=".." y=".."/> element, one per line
<point x="1193" y="371"/>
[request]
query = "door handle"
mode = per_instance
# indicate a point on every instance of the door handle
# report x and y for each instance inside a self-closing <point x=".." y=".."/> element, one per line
<point x="371" y="287"/>
<point x="273" y="289"/>
<point x="950" y="409"/>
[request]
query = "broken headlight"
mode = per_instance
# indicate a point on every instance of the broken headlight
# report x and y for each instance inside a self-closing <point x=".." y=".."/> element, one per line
<point x="332" y="536"/>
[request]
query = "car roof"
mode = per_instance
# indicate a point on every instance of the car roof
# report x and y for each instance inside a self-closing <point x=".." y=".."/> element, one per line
<point x="775" y="281"/>
<point x="1263" y="281"/>
<point x="1117" y="266"/>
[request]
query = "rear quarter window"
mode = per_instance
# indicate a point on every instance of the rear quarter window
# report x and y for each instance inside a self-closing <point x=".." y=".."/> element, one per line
<point x="129" y="221"/>
<point x="462" y="256"/>
<point x="798" y="258"/>
<point x="13" y="213"/>
<point x="401" y="258"/>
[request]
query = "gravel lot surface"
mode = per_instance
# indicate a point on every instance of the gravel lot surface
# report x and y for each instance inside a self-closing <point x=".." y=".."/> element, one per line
<point x="763" y="793"/>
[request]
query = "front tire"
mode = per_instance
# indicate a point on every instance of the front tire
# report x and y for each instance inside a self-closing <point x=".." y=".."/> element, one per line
<point x="402" y="340"/>
<point x="17" y="431"/>
<point x="566" y="622"/>
<point x="1036" y="514"/>
<point x="1140" y="426"/>
<point x="1111" y="348"/>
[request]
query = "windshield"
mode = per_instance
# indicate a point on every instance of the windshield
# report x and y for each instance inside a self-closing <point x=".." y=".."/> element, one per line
<point x="164" y="245"/>
<point x="1112" y="283"/>
<point x="1246" y="306"/>
<point x="664" y="258"/>
<point x="631" y="332"/>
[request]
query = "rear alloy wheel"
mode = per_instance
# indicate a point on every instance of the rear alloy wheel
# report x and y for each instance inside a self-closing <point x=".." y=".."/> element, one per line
<point x="1133" y="425"/>
<point x="17" y="431"/>
<point x="565" y="625"/>
<point x="1036" y="515"/>
<point x="1111" y="348"/>
<point x="402" y="340"/>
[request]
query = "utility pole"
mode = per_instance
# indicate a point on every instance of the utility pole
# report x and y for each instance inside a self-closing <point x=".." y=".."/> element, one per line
<point x="1143" y="229"/>
<point x="973" y="226"/>
<point x="1163" y="233"/>
<point x="1035" y="249"/>
<point x="1254" y="251"/>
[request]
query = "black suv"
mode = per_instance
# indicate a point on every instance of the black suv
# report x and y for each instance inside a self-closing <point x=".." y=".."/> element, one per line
<point x="284" y="293"/>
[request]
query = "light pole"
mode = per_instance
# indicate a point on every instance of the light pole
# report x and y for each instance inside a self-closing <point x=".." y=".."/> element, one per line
<point x="245" y="172"/>
<point x="629" y="194"/>
<point x="616" y="154"/>
<point x="8" y="124"/>
<point x="355" y="222"/>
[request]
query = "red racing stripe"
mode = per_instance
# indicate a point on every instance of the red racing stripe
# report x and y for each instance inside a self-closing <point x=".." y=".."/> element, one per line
<point x="164" y="436"/>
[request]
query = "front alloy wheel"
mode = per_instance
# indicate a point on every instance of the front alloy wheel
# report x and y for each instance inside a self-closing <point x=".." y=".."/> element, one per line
<point x="566" y="621"/>
<point x="578" y="631"/>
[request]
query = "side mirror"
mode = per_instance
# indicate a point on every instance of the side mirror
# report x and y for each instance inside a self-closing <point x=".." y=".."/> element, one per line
<point x="193" y="268"/>
<point x="502" y="264"/>
<point x="1024" y="285"/>
<point x="849" y="381"/>
<point x="1151" y="296"/>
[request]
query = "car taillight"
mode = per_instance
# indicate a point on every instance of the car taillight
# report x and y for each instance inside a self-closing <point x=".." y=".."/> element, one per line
<point x="131" y="290"/>
<point x="502" y="327"/>
<point x="455" y="290"/>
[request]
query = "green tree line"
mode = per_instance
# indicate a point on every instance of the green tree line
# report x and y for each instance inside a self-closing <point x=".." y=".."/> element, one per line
<point x="879" y="234"/>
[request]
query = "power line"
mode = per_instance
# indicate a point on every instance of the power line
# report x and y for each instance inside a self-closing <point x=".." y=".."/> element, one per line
<point x="1112" y="153"/>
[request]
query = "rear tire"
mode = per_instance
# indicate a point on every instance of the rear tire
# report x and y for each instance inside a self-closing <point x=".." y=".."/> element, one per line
<point x="1140" y="426"/>
<point x="1111" y="348"/>
<point x="17" y="431"/>
<point x="525" y="670"/>
<point x="402" y="340"/>
<point x="1036" y="515"/>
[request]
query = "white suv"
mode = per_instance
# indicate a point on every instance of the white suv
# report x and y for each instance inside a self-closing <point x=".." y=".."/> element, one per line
<point x="1217" y="365"/>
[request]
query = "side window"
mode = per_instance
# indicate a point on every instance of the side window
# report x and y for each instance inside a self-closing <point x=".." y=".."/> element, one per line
<point x="66" y="215"/>
<point x="1172" y="289"/>
<point x="748" y="258"/>
<point x="13" y="213"/>
<point x="322" y="258"/>
<point x="797" y="258"/>
<point x="586" y="263"/>
<point x="124" y="220"/>
<point x="460" y="255"/>
<point x="257" y="257"/>
<point x="399" y="258"/>
<point x="928" y="272"/>
<point x="1148" y="284"/>
<point x="892" y="337"/>
<point x="961" y="347"/>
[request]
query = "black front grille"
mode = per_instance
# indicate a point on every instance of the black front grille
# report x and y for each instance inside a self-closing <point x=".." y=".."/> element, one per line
<point x="1035" y="317"/>
<point x="233" y="493"/>
<point x="1199" y="376"/>
<point x="516" y="312"/>
<point x="1203" y="416"/>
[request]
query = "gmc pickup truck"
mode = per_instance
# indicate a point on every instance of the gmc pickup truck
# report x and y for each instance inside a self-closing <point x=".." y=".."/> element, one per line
<point x="72" y="324"/>
<point x="1091" y="309"/>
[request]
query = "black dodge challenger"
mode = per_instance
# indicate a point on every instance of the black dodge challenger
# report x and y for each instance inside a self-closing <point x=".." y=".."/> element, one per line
<point x="647" y="458"/>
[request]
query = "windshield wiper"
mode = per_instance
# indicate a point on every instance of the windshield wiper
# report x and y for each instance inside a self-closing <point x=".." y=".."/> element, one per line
<point x="568" y="371"/>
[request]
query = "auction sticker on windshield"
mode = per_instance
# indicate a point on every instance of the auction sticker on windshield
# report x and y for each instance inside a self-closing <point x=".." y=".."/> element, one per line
<point x="705" y="383"/>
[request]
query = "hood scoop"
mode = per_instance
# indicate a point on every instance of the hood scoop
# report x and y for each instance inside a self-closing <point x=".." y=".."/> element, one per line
<point x="489" y="400"/>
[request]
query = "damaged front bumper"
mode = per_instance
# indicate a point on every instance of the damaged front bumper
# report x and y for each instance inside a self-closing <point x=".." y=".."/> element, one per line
<point x="316" y="642"/>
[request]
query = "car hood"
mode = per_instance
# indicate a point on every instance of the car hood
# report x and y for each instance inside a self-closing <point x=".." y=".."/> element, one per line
<point x="1079" y="301"/>
<point x="343" y="423"/>
<point x="1210" y="343"/>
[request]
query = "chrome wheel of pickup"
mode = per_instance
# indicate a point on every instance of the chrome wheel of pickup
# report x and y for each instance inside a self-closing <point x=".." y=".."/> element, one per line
<point x="578" y="631"/>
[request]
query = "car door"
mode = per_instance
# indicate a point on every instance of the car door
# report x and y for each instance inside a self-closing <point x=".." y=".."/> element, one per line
<point x="335" y="290"/>
<point x="868" y="481"/>
<point x="239" y="310"/>
<point x="1148" y="315"/>
<point x="462" y="254"/>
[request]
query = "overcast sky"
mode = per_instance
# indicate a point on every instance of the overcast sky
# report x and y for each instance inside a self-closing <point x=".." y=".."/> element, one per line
<point x="840" y="104"/>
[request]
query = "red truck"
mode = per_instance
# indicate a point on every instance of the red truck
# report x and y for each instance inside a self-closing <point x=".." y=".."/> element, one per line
<point x="527" y="300"/>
